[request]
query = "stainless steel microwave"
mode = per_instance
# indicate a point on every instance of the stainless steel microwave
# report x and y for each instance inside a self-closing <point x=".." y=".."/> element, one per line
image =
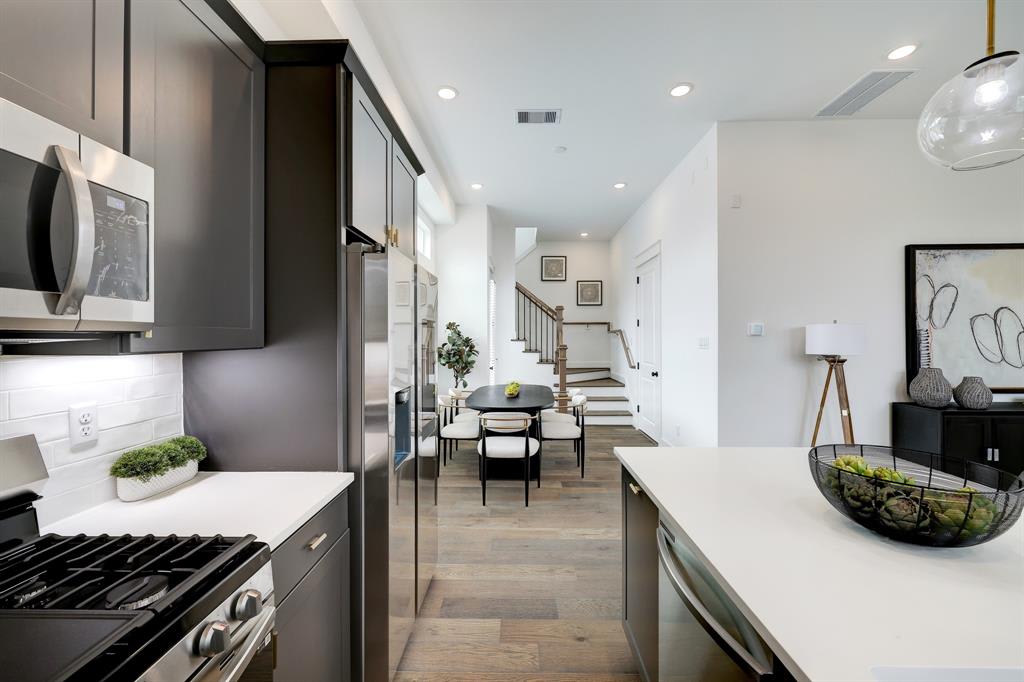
<point x="76" y="231"/>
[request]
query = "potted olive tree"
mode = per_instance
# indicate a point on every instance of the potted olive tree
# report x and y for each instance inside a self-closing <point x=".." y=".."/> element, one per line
<point x="458" y="354"/>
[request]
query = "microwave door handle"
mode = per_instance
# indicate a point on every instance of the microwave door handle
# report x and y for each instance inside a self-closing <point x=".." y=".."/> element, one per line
<point x="703" y="616"/>
<point x="83" y="239"/>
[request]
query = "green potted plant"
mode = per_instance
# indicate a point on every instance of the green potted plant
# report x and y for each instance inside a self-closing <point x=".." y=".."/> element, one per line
<point x="151" y="469"/>
<point x="458" y="353"/>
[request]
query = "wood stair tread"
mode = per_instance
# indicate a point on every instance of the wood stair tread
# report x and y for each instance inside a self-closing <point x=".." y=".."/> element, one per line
<point x="607" y="399"/>
<point x="586" y="370"/>
<point x="609" y="413"/>
<point x="595" y="383"/>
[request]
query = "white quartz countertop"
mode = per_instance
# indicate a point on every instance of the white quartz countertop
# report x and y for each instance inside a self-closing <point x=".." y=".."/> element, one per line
<point x="834" y="600"/>
<point x="269" y="504"/>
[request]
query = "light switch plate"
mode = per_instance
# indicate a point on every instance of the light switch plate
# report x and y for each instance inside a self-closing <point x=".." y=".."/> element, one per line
<point x="755" y="329"/>
<point x="704" y="342"/>
<point x="83" y="423"/>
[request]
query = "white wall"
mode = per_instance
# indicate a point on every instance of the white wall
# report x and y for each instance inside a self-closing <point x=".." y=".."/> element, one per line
<point x="827" y="207"/>
<point x="138" y="399"/>
<point x="584" y="260"/>
<point x="462" y="284"/>
<point x="681" y="216"/>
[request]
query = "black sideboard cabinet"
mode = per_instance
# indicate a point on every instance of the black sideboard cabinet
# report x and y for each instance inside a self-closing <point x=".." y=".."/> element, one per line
<point x="994" y="436"/>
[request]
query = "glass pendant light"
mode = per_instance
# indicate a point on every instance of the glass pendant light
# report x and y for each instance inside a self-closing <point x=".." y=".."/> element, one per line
<point x="976" y="120"/>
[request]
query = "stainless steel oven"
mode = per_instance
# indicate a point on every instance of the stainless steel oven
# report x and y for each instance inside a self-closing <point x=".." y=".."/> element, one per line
<point x="76" y="231"/>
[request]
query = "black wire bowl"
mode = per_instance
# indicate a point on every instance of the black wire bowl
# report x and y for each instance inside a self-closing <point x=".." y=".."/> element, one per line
<point x="918" y="497"/>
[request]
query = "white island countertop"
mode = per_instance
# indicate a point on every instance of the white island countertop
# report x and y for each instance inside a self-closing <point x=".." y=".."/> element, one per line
<point x="834" y="600"/>
<point x="269" y="504"/>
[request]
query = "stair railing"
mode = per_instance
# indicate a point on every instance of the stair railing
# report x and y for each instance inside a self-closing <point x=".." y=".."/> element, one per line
<point x="541" y="327"/>
<point x="617" y="332"/>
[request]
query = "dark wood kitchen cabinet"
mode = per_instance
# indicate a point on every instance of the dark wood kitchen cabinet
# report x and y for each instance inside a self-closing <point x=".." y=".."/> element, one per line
<point x="312" y="591"/>
<point x="197" y="101"/>
<point x="403" y="202"/>
<point x="994" y="436"/>
<point x="640" y="576"/>
<point x="370" y="158"/>
<point x="65" y="61"/>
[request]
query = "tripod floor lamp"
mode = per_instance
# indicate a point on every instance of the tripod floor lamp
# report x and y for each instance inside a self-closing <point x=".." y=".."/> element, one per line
<point x="831" y="343"/>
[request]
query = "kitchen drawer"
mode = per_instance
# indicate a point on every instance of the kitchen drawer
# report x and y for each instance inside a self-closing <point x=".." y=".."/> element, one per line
<point x="297" y="555"/>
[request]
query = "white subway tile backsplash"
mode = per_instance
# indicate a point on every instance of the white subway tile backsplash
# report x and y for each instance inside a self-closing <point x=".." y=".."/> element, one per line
<point x="33" y="401"/>
<point x="147" y="387"/>
<point x="24" y="372"/>
<point x="139" y="399"/>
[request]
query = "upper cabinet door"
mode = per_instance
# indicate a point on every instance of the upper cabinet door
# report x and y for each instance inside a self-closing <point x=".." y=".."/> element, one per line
<point x="65" y="61"/>
<point x="403" y="202"/>
<point x="368" y="167"/>
<point x="197" y="113"/>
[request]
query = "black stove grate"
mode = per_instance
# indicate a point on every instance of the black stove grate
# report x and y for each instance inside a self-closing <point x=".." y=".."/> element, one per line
<point x="108" y="572"/>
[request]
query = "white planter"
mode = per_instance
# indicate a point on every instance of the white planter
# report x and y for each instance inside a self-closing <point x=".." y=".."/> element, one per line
<point x="132" y="489"/>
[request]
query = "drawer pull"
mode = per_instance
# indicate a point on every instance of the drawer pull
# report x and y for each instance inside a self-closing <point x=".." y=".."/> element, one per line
<point x="316" y="542"/>
<point x="637" y="490"/>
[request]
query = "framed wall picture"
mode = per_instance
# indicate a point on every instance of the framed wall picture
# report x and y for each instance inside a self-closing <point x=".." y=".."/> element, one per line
<point x="965" y="312"/>
<point x="589" y="292"/>
<point x="552" y="268"/>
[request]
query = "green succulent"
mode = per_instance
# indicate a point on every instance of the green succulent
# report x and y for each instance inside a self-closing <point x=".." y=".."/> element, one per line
<point x="903" y="513"/>
<point x="155" y="460"/>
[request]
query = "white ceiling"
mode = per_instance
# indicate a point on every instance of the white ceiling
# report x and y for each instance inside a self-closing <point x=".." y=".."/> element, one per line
<point x="609" y="65"/>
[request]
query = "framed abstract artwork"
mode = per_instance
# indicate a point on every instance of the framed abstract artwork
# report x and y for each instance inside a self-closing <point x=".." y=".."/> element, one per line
<point x="965" y="312"/>
<point x="589" y="292"/>
<point x="552" y="268"/>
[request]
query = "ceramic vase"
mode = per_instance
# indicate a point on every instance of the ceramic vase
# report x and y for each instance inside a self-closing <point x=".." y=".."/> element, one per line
<point x="973" y="394"/>
<point x="930" y="388"/>
<point x="132" y="489"/>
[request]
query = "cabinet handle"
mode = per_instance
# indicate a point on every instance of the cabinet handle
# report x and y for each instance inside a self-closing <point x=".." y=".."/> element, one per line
<point x="637" y="490"/>
<point x="995" y="454"/>
<point x="316" y="542"/>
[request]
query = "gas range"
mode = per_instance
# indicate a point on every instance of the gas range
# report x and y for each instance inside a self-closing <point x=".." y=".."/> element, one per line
<point x="126" y="608"/>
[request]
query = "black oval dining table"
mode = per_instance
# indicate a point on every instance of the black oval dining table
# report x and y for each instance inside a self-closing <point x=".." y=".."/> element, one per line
<point x="532" y="399"/>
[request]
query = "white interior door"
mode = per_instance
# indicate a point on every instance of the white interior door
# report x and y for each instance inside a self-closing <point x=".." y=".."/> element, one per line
<point x="648" y="332"/>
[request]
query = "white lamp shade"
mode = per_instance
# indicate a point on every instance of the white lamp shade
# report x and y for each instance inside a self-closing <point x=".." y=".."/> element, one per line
<point x="834" y="339"/>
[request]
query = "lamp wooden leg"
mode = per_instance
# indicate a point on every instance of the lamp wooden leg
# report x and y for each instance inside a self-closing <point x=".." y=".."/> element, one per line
<point x="844" y="403"/>
<point x="821" y="406"/>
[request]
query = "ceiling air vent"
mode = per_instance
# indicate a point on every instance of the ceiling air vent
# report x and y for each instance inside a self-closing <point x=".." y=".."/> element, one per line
<point x="539" y="116"/>
<point x="863" y="91"/>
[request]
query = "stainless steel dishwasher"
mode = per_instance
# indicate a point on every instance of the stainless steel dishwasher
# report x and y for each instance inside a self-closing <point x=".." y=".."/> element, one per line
<point x="701" y="634"/>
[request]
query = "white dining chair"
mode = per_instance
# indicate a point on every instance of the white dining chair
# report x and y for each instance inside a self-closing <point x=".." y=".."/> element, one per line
<point x="458" y="423"/>
<point x="506" y="435"/>
<point x="561" y="426"/>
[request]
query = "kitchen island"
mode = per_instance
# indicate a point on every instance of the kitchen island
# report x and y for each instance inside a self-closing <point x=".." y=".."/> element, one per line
<point x="832" y="600"/>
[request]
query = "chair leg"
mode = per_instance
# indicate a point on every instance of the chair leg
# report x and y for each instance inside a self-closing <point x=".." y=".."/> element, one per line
<point x="526" y="472"/>
<point x="540" y="468"/>
<point x="484" y="481"/>
<point x="583" y="458"/>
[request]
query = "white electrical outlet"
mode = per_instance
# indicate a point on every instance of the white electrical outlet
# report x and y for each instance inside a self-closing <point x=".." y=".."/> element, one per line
<point x="83" y="423"/>
<point x="704" y="342"/>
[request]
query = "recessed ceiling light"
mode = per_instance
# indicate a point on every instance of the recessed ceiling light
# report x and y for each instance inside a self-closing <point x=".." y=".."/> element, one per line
<point x="681" y="89"/>
<point x="561" y="150"/>
<point x="584" y="234"/>
<point x="901" y="52"/>
<point x="447" y="92"/>
<point x="476" y="185"/>
<point x="619" y="185"/>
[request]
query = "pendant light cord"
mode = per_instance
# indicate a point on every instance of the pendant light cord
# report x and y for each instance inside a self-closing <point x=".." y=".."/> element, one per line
<point x="991" y="48"/>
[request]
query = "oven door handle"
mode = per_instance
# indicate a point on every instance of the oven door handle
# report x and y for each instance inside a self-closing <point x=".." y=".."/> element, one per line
<point x="252" y="645"/>
<point x="83" y="240"/>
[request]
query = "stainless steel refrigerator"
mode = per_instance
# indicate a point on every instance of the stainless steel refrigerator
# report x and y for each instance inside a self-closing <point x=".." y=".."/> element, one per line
<point x="395" y="516"/>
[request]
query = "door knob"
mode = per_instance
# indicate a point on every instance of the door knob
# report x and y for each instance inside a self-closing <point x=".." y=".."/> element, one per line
<point x="654" y="374"/>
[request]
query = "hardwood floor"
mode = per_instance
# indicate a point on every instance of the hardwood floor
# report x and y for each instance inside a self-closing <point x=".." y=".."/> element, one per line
<point x="528" y="594"/>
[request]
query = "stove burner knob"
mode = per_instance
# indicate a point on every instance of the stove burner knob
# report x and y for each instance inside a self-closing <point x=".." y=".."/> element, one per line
<point x="215" y="638"/>
<point x="247" y="605"/>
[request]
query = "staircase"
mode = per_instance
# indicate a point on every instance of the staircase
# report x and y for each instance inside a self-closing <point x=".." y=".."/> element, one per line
<point x="607" y="404"/>
<point x="540" y="328"/>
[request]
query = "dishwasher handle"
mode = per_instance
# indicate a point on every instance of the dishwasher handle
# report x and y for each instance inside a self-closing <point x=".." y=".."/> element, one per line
<point x="737" y="652"/>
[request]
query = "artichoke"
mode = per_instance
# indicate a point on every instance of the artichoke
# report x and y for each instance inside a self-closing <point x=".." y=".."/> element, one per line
<point x="852" y="463"/>
<point x="965" y="512"/>
<point x="887" y="474"/>
<point x="861" y="496"/>
<point x="903" y="513"/>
